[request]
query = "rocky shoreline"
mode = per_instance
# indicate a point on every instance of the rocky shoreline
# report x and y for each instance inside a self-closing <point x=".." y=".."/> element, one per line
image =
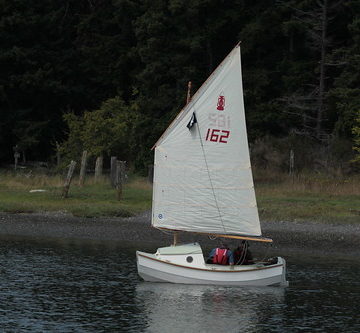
<point x="290" y="238"/>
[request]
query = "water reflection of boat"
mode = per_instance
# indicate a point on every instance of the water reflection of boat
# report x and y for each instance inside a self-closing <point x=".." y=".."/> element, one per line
<point x="199" y="308"/>
<point x="203" y="184"/>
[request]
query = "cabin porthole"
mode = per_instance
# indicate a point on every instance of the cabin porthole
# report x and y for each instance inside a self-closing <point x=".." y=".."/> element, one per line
<point x="189" y="259"/>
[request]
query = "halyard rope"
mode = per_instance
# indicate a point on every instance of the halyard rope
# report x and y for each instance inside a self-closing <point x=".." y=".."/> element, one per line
<point x="207" y="168"/>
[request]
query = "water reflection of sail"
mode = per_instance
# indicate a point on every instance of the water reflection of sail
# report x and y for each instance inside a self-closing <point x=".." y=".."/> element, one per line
<point x="194" y="308"/>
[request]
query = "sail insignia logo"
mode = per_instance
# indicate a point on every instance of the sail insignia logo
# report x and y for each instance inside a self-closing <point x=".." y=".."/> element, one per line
<point x="221" y="103"/>
<point x="160" y="216"/>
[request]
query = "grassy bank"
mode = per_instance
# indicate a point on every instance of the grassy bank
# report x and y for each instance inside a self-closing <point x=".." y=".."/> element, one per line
<point x="90" y="200"/>
<point x="309" y="198"/>
<point x="302" y="198"/>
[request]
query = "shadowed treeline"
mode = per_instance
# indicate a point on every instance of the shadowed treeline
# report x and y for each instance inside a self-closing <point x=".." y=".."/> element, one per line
<point x="107" y="76"/>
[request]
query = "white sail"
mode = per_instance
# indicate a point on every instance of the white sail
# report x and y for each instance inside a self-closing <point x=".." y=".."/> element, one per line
<point x="202" y="175"/>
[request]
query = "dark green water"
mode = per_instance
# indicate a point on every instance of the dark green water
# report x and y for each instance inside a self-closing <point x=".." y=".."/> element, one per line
<point x="84" y="287"/>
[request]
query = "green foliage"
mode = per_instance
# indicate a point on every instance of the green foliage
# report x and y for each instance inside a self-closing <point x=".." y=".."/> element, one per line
<point x="71" y="148"/>
<point x="343" y="108"/>
<point x="28" y="134"/>
<point x="109" y="130"/>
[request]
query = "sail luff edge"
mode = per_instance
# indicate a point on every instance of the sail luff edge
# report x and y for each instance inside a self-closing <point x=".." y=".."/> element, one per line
<point x="194" y="97"/>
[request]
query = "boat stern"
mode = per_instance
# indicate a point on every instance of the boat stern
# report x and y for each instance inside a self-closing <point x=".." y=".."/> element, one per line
<point x="284" y="282"/>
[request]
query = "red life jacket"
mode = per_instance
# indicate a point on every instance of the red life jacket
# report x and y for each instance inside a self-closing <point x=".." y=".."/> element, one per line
<point x="220" y="257"/>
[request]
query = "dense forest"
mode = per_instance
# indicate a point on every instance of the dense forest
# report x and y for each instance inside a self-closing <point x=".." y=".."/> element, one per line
<point x="109" y="75"/>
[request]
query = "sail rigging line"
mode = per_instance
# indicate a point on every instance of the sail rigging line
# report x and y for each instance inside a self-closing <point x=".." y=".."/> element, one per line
<point x="208" y="172"/>
<point x="266" y="253"/>
<point x="243" y="254"/>
<point x="212" y="187"/>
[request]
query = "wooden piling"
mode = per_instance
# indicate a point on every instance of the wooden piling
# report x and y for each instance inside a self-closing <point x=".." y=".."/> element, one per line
<point x="113" y="171"/>
<point x="98" y="168"/>
<point x="292" y="165"/>
<point x="120" y="178"/>
<point x="83" y="168"/>
<point x="151" y="173"/>
<point x="58" y="156"/>
<point x="68" y="179"/>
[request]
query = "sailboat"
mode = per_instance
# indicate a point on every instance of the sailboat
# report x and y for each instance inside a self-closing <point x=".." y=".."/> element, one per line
<point x="203" y="184"/>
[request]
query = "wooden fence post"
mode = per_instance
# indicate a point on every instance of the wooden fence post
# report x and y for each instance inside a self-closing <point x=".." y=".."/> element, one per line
<point x="151" y="173"/>
<point x="291" y="162"/>
<point x="120" y="178"/>
<point x="113" y="170"/>
<point x="68" y="179"/>
<point x="123" y="172"/>
<point x="83" y="168"/>
<point x="58" y="156"/>
<point x="16" y="156"/>
<point x="98" y="168"/>
<point x="292" y="165"/>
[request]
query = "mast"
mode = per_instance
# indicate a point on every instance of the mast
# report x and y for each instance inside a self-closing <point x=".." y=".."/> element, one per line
<point x="188" y="98"/>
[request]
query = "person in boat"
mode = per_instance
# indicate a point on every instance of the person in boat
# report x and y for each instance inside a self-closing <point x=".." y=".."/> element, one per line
<point x="242" y="254"/>
<point x="221" y="256"/>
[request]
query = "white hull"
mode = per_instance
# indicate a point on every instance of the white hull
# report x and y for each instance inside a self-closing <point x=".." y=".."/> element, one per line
<point x="170" y="264"/>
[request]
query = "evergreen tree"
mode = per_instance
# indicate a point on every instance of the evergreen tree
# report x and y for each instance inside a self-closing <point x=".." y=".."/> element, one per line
<point x="300" y="67"/>
<point x="38" y="67"/>
<point x="314" y="22"/>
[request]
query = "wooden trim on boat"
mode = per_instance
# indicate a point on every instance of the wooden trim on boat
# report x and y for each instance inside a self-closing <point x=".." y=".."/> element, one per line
<point x="251" y="238"/>
<point x="210" y="270"/>
<point x="245" y="237"/>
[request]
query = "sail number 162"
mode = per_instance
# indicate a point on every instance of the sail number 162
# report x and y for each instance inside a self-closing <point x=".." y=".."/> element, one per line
<point x="216" y="135"/>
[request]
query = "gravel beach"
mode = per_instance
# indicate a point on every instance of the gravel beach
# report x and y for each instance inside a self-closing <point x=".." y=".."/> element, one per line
<point x="290" y="238"/>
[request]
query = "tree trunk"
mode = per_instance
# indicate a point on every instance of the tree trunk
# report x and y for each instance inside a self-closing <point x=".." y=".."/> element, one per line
<point x="320" y="111"/>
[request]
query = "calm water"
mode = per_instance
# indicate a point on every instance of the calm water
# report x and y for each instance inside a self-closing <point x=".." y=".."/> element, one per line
<point x="84" y="287"/>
